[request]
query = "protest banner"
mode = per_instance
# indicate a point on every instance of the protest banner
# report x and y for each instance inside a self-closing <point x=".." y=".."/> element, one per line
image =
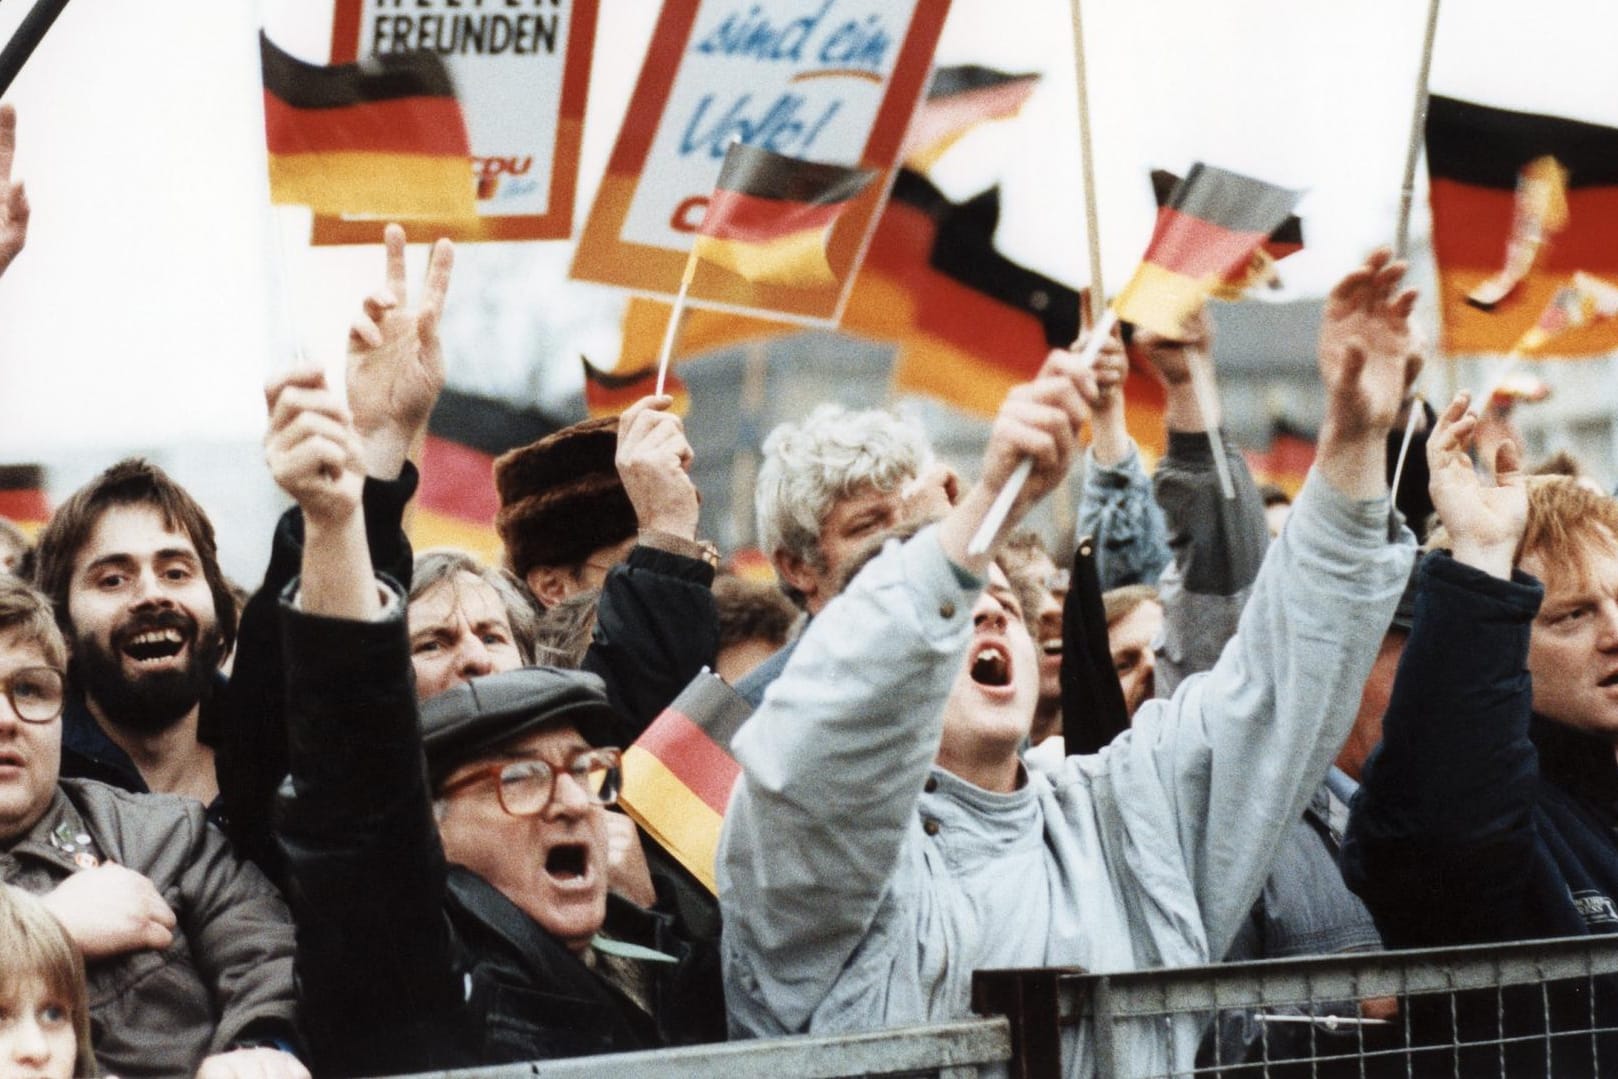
<point x="832" y="81"/>
<point x="521" y="73"/>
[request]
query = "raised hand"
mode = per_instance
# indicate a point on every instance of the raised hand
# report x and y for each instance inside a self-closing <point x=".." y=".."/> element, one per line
<point x="654" y="460"/>
<point x="1485" y="517"/>
<point x="312" y="448"/>
<point x="13" y="199"/>
<point x="1171" y="357"/>
<point x="1368" y="353"/>
<point x="395" y="361"/>
<point x="1039" y="421"/>
<point x="1109" y="433"/>
<point x="111" y="910"/>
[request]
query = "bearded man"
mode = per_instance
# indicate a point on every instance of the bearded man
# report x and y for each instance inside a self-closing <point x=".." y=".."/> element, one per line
<point x="131" y="567"/>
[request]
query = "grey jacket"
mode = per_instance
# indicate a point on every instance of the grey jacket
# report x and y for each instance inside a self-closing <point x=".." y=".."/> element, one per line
<point x="861" y="885"/>
<point x="225" y="980"/>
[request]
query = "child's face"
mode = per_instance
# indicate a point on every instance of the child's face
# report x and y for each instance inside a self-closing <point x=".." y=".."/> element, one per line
<point x="36" y="1033"/>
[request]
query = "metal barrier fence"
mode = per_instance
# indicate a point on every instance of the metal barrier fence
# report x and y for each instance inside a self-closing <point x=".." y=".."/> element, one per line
<point x="1532" y="1009"/>
<point x="1537" y="1008"/>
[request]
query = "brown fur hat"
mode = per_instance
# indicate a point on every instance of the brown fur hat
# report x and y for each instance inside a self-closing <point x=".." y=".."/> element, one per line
<point x="561" y="498"/>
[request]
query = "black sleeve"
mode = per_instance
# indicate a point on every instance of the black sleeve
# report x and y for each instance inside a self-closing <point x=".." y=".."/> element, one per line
<point x="656" y="628"/>
<point x="250" y="744"/>
<point x="365" y="869"/>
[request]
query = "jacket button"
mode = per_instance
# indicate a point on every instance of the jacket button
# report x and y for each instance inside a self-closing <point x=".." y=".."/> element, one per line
<point x="930" y="786"/>
<point x="930" y="827"/>
<point x="946" y="610"/>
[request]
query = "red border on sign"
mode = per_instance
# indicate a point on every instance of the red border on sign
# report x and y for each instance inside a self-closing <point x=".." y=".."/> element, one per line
<point x="603" y="256"/>
<point x="557" y="222"/>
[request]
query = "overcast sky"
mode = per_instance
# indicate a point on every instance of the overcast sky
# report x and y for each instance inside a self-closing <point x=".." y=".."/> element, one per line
<point x="145" y="308"/>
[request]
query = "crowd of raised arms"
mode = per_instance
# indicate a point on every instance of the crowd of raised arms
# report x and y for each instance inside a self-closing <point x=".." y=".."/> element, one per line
<point x="363" y="819"/>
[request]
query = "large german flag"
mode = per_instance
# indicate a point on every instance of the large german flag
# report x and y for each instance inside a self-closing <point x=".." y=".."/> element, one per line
<point x="1206" y="232"/>
<point x="608" y="393"/>
<point x="678" y="775"/>
<point x="769" y="216"/>
<point x="959" y="100"/>
<point x="1490" y="183"/>
<point x="384" y="138"/>
<point x="457" y="502"/>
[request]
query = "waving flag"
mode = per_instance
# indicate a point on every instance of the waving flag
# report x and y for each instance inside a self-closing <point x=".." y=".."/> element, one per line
<point x="1287" y="239"/>
<point x="1520" y="203"/>
<point x="608" y="393"/>
<point x="22" y="497"/>
<point x="679" y="773"/>
<point x="383" y="138"/>
<point x="1206" y="232"/>
<point x="770" y="214"/>
<point x="959" y="100"/>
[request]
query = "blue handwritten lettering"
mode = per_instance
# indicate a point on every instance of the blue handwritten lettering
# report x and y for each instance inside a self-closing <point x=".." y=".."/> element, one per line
<point x="857" y="45"/>
<point x="786" y="126"/>
<point x="751" y="33"/>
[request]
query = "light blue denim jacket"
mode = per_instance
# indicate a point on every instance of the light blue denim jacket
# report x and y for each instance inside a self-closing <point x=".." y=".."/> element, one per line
<point x="861" y="885"/>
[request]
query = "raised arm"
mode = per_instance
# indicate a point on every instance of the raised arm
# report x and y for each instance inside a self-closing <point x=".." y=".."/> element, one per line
<point x="13" y="199"/>
<point x="1229" y="762"/>
<point x="1116" y="507"/>
<point x="835" y="760"/>
<point x="1218" y="542"/>
<point x="1441" y="839"/>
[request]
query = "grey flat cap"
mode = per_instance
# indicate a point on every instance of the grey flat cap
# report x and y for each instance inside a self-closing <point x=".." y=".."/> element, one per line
<point x="468" y="721"/>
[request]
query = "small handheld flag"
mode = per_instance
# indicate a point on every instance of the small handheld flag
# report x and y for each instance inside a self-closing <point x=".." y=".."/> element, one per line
<point x="679" y="773"/>
<point x="384" y="138"/>
<point x="769" y="215"/>
<point x="1206" y="232"/>
<point x="1287" y="239"/>
<point x="958" y="101"/>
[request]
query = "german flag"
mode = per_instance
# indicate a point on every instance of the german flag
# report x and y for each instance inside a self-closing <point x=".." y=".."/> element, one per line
<point x="1286" y="462"/>
<point x="457" y="502"/>
<point x="1286" y="240"/>
<point x="1207" y="231"/>
<point x="1585" y="301"/>
<point x="22" y="497"/>
<point x="383" y="138"/>
<point x="959" y="100"/>
<point x="768" y="218"/>
<point x="607" y="393"/>
<point x="678" y="775"/>
<point x="1524" y="199"/>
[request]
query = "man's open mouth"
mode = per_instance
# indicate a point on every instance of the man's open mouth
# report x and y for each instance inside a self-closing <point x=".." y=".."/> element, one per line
<point x="567" y="862"/>
<point x="991" y="666"/>
<point x="154" y="645"/>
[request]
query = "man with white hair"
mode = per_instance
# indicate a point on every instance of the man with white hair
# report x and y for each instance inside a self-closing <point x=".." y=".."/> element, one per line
<point x="886" y="840"/>
<point x="827" y="485"/>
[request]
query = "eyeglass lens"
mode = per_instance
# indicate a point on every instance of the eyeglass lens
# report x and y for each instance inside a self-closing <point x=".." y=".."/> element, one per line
<point x="35" y="693"/>
<point x="526" y="787"/>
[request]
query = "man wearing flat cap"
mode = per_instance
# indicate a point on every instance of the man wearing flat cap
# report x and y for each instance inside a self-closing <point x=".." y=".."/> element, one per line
<point x="448" y="876"/>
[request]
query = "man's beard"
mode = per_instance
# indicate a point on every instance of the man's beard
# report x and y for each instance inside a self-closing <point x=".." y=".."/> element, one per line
<point x="147" y="702"/>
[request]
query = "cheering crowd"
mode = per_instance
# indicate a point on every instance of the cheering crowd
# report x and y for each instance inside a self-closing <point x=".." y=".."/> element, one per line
<point x="386" y="841"/>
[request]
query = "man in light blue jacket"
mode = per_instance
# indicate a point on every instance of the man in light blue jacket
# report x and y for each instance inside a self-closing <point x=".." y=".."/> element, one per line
<point x="886" y="840"/>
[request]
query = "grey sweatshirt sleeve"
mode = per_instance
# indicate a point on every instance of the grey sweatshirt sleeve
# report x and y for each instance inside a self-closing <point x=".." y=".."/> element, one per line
<point x="1204" y="785"/>
<point x="1117" y="510"/>
<point x="833" y="768"/>
<point x="1218" y="545"/>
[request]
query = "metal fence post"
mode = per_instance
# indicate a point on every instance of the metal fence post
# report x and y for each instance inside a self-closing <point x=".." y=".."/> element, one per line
<point x="1031" y="1002"/>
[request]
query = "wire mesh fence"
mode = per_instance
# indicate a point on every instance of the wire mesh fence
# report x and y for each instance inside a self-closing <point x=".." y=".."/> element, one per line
<point x="1539" y="1008"/>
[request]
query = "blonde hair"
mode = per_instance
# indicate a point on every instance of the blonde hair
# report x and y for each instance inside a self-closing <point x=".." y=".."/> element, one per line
<point x="34" y="943"/>
<point x="1567" y="523"/>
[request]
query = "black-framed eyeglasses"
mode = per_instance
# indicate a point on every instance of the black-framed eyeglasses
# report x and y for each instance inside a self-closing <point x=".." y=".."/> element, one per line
<point x="525" y="788"/>
<point x="35" y="693"/>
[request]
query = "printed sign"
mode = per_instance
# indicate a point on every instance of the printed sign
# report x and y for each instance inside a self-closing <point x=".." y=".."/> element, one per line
<point x="832" y="81"/>
<point x="521" y="70"/>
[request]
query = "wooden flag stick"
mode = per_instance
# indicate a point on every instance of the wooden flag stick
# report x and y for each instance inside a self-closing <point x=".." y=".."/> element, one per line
<point x="35" y="25"/>
<point x="1206" y="390"/>
<point x="1001" y="508"/>
<point x="1418" y="124"/>
<point x="676" y="313"/>
<point x="1404" y="446"/>
<point x="1092" y="217"/>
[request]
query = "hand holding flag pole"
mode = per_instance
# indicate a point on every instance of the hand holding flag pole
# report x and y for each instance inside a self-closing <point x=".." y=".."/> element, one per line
<point x="1209" y="228"/>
